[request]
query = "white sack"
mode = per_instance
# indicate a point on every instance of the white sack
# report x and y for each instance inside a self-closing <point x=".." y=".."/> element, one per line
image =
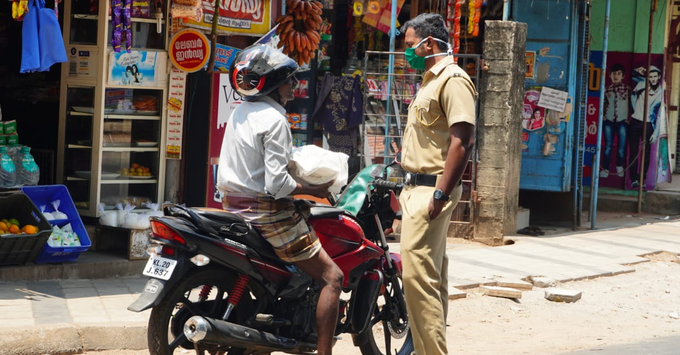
<point x="314" y="165"/>
<point x="107" y="218"/>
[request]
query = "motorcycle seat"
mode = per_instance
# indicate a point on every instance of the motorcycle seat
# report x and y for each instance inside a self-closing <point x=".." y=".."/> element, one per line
<point x="234" y="227"/>
<point x="325" y="212"/>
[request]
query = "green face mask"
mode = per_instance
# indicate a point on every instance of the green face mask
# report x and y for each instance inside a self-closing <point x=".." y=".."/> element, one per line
<point x="417" y="62"/>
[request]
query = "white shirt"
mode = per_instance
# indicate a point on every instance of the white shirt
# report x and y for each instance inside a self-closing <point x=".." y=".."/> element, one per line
<point x="256" y="149"/>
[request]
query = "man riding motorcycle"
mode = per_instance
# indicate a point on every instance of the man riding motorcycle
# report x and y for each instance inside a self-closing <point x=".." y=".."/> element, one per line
<point x="254" y="179"/>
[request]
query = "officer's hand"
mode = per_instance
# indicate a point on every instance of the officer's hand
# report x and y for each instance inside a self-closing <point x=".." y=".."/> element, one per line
<point x="435" y="208"/>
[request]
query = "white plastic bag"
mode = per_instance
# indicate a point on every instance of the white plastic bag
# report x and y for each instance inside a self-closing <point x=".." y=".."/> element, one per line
<point x="63" y="237"/>
<point x="107" y="218"/>
<point x="155" y="210"/>
<point x="56" y="214"/>
<point x="48" y="216"/>
<point x="314" y="165"/>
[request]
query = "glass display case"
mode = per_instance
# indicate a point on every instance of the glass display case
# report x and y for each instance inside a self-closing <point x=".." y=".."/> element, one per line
<point x="111" y="131"/>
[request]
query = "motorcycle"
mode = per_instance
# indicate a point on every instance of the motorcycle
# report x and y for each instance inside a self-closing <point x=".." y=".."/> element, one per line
<point x="217" y="286"/>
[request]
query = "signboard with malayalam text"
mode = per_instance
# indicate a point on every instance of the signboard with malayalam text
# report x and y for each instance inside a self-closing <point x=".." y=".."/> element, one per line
<point x="189" y="50"/>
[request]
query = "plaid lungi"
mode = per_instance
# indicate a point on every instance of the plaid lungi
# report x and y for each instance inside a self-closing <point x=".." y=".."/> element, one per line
<point x="278" y="221"/>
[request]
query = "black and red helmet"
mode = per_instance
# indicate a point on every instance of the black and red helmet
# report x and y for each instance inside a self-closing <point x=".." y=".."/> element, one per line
<point x="258" y="70"/>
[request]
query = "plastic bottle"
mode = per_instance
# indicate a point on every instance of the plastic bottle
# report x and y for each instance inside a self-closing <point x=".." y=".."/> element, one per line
<point x="28" y="172"/>
<point x="7" y="169"/>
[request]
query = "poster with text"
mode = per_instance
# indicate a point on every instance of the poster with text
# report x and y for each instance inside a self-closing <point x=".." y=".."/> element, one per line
<point x="137" y="68"/>
<point x="176" y="99"/>
<point x="250" y="18"/>
<point x="226" y="100"/>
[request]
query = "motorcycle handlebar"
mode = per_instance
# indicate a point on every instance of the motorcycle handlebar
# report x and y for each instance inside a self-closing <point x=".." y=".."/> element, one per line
<point x="388" y="184"/>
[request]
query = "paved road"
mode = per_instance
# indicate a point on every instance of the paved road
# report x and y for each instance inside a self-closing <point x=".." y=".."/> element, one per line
<point x="660" y="346"/>
<point x="78" y="315"/>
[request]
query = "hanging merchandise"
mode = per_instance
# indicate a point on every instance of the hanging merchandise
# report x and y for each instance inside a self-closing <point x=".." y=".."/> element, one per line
<point x="30" y="49"/>
<point x="42" y="44"/>
<point x="122" y="11"/>
<point x="19" y="9"/>
<point x="382" y="19"/>
<point x="298" y="30"/>
<point x="189" y="9"/>
<point x="478" y="16"/>
<point x="456" y="26"/>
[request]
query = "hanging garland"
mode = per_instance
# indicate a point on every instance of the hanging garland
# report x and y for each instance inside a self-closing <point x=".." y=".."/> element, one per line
<point x="456" y="26"/>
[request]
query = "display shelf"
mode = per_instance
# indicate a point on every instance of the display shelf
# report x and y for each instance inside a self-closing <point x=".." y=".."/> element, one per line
<point x="107" y="128"/>
<point x="130" y="149"/>
<point x="132" y="117"/>
<point x="143" y="20"/>
<point x="130" y="181"/>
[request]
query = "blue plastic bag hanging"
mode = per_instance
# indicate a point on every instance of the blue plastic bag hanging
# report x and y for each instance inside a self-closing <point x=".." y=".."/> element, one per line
<point x="52" y="48"/>
<point x="30" y="48"/>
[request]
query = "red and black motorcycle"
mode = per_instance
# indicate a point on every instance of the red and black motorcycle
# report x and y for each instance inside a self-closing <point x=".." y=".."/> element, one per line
<point x="217" y="286"/>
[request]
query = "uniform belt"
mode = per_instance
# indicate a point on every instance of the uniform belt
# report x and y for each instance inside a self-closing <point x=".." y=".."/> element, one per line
<point x="415" y="179"/>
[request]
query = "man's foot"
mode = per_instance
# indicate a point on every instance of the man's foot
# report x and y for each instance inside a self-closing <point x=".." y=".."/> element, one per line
<point x="604" y="173"/>
<point x="635" y="184"/>
<point x="619" y="171"/>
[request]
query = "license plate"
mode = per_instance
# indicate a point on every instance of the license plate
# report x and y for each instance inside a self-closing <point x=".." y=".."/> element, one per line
<point x="159" y="267"/>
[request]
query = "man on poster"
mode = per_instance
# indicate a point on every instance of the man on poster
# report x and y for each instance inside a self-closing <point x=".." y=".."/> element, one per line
<point x="615" y="123"/>
<point x="635" y="130"/>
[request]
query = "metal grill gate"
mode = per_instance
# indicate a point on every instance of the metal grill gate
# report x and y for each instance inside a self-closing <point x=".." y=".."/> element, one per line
<point x="386" y="100"/>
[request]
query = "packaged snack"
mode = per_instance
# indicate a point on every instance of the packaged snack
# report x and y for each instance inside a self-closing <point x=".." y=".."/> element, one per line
<point x="12" y="139"/>
<point x="3" y="139"/>
<point x="141" y="8"/>
<point x="10" y="127"/>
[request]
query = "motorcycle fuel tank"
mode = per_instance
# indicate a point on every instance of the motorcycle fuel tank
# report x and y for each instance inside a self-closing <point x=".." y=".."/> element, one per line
<point x="338" y="235"/>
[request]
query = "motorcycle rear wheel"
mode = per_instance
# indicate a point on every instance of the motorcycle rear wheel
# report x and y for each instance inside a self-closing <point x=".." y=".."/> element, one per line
<point x="167" y="320"/>
<point x="394" y="332"/>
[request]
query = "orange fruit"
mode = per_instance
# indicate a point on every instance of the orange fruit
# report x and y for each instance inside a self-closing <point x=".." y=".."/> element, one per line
<point x="29" y="229"/>
<point x="14" y="229"/>
<point x="3" y="227"/>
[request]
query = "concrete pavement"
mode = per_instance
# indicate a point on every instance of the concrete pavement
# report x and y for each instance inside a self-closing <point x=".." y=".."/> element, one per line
<point x="71" y="315"/>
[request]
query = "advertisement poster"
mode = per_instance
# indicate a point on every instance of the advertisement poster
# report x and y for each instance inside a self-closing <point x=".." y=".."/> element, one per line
<point x="533" y="116"/>
<point x="138" y="68"/>
<point x="224" y="55"/>
<point x="250" y="18"/>
<point x="530" y="63"/>
<point x="622" y="131"/>
<point x="226" y="101"/>
<point x="173" y="147"/>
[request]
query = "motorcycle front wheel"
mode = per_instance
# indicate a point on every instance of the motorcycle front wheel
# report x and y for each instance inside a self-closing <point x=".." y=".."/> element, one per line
<point x="389" y="331"/>
<point x="202" y="292"/>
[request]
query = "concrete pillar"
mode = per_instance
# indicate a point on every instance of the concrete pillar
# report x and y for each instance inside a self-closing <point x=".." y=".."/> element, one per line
<point x="499" y="131"/>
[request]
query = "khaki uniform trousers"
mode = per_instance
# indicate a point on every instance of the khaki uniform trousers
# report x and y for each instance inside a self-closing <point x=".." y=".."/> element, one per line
<point x="425" y="263"/>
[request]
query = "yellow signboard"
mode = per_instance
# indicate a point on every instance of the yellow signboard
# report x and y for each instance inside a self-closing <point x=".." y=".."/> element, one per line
<point x="250" y="18"/>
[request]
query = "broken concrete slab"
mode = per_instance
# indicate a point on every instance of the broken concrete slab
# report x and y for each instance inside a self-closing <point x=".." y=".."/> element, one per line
<point x="562" y="295"/>
<point x="542" y="281"/>
<point x="516" y="284"/>
<point x="505" y="292"/>
<point x="455" y="294"/>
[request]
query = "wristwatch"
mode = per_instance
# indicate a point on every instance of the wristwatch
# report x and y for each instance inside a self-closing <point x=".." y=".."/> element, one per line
<point x="440" y="195"/>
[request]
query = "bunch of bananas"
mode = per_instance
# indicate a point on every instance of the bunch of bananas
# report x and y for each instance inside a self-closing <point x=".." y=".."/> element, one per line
<point x="299" y="29"/>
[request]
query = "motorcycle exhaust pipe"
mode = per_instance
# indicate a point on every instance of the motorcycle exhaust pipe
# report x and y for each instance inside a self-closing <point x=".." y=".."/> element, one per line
<point x="215" y="331"/>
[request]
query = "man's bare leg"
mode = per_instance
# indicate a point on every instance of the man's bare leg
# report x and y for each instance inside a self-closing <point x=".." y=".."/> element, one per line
<point x="329" y="277"/>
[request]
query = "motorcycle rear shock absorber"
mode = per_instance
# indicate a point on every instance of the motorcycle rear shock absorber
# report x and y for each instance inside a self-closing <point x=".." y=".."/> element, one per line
<point x="235" y="295"/>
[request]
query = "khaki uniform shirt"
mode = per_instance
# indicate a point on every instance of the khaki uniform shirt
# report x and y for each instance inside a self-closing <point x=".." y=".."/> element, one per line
<point x="446" y="96"/>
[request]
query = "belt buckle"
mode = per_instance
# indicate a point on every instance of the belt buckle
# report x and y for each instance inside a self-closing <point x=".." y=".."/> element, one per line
<point x="407" y="179"/>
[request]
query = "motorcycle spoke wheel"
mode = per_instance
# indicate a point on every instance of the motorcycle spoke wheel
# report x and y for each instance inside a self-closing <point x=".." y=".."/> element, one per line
<point x="389" y="331"/>
<point x="183" y="301"/>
